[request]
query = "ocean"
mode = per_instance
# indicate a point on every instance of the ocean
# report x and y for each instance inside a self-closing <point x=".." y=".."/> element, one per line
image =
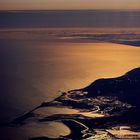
<point x="40" y="59"/>
<point x="70" y="18"/>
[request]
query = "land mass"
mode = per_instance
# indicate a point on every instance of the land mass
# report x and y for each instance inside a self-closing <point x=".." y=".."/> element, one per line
<point x="115" y="99"/>
<point x="119" y="35"/>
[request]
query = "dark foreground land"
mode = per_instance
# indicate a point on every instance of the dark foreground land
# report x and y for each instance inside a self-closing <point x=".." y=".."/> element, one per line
<point x="118" y="99"/>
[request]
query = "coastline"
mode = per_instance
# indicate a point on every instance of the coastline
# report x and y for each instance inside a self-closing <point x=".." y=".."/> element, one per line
<point x="79" y="35"/>
<point x="124" y="112"/>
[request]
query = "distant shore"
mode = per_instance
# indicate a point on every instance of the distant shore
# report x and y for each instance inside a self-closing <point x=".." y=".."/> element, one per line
<point x="126" y="36"/>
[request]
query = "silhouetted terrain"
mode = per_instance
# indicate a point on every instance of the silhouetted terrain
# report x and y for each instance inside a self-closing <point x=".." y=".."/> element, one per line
<point x="126" y="88"/>
<point x="115" y="98"/>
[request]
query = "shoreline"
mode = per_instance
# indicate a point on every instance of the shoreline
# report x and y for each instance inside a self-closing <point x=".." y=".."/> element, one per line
<point x="124" y="112"/>
<point x="78" y="35"/>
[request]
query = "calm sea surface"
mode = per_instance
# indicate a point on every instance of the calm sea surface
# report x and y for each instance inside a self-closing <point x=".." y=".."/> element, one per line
<point x="36" y="67"/>
<point x="70" y="18"/>
<point x="35" y="71"/>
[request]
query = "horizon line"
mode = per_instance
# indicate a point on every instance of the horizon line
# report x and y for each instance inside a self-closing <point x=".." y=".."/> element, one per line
<point x="69" y="9"/>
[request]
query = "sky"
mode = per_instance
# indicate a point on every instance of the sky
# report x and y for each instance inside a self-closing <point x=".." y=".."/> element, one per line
<point x="68" y="4"/>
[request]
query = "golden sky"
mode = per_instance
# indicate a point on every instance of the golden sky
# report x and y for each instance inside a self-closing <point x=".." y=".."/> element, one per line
<point x="68" y="4"/>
